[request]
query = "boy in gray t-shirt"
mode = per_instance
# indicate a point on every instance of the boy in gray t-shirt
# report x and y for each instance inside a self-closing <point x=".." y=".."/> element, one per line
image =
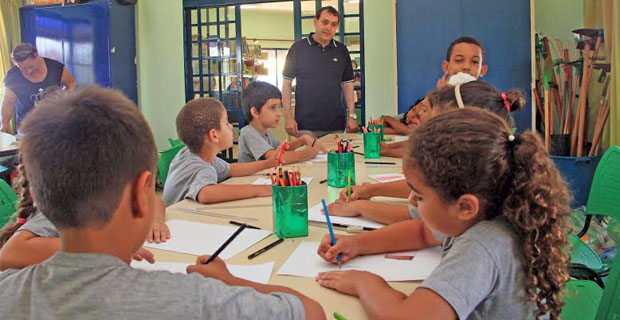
<point x="196" y="171"/>
<point x="261" y="108"/>
<point x="103" y="213"/>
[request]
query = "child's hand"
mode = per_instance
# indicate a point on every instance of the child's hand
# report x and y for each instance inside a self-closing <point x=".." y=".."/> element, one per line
<point x="322" y="148"/>
<point x="144" y="254"/>
<point x="442" y="82"/>
<point x="346" y="246"/>
<point x="215" y="269"/>
<point x="273" y="157"/>
<point x="348" y="282"/>
<point x="159" y="231"/>
<point x="361" y="192"/>
<point x="342" y="208"/>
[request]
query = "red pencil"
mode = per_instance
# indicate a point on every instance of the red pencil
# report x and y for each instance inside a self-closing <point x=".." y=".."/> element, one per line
<point x="284" y="144"/>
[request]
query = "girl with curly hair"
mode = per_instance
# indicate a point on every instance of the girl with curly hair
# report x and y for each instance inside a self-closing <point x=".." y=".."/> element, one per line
<point x="500" y="206"/>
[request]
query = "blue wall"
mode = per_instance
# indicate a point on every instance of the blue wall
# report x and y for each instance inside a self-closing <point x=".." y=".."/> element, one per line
<point x="424" y="30"/>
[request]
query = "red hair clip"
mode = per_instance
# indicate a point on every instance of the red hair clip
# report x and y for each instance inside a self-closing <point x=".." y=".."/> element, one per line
<point x="506" y="103"/>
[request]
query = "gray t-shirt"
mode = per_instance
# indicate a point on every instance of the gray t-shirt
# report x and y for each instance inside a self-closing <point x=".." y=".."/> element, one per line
<point x="40" y="226"/>
<point x="97" y="286"/>
<point x="481" y="274"/>
<point x="188" y="174"/>
<point x="253" y="144"/>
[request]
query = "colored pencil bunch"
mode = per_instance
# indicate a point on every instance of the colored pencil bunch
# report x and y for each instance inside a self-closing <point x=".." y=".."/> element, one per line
<point x="343" y="146"/>
<point x="286" y="178"/>
<point x="375" y="121"/>
<point x="368" y="129"/>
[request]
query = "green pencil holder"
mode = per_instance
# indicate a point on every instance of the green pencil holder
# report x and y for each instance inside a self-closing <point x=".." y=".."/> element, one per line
<point x="372" y="145"/>
<point x="380" y="127"/>
<point x="290" y="211"/>
<point x="339" y="167"/>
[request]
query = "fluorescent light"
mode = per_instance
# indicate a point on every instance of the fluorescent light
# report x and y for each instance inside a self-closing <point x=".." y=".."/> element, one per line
<point x="249" y="6"/>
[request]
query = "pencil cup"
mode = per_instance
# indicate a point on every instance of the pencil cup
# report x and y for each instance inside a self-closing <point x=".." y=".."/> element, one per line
<point x="339" y="167"/>
<point x="372" y="145"/>
<point x="290" y="211"/>
<point x="372" y="127"/>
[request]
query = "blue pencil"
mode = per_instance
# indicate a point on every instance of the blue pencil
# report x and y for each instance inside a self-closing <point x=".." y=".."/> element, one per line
<point x="329" y="227"/>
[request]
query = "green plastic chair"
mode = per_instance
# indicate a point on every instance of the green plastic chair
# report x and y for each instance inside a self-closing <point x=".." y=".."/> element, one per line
<point x="585" y="300"/>
<point x="8" y="202"/>
<point x="165" y="157"/>
<point x="604" y="199"/>
<point x="175" y="142"/>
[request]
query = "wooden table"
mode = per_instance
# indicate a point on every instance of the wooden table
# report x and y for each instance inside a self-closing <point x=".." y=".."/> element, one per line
<point x="260" y="209"/>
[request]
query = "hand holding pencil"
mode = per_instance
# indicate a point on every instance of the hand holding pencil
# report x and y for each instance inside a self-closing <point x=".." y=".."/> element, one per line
<point x="215" y="269"/>
<point x="346" y="246"/>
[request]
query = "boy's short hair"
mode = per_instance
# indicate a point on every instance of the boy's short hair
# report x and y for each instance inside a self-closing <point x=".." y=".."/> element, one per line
<point x="331" y="10"/>
<point x="465" y="39"/>
<point x="81" y="150"/>
<point x="196" y="119"/>
<point x="256" y="95"/>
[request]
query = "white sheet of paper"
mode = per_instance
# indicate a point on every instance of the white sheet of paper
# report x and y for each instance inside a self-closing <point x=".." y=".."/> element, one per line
<point x="387" y="177"/>
<point x="6" y="139"/>
<point x="203" y="238"/>
<point x="400" y="138"/>
<point x="315" y="214"/>
<point x="267" y="181"/>
<point x="321" y="157"/>
<point x="260" y="273"/>
<point x="305" y="262"/>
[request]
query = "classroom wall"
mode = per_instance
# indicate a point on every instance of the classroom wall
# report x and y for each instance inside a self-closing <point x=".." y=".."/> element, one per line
<point x="380" y="54"/>
<point x="159" y="26"/>
<point x="161" y="82"/>
<point x="556" y="18"/>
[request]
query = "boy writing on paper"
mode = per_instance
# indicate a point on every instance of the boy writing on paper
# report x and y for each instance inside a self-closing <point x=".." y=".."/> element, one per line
<point x="261" y="107"/>
<point x="196" y="172"/>
<point x="104" y="207"/>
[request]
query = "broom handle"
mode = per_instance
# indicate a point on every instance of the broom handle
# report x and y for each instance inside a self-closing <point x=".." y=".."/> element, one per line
<point x="582" y="101"/>
<point x="582" y="119"/>
<point x="547" y="133"/>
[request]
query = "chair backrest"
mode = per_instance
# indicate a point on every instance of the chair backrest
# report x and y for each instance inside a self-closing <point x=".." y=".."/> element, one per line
<point x="165" y="157"/>
<point x="8" y="202"/>
<point x="581" y="299"/>
<point x="609" y="308"/>
<point x="604" y="196"/>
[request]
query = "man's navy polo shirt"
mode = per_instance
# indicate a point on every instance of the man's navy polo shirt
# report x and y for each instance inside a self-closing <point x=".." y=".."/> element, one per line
<point x="320" y="73"/>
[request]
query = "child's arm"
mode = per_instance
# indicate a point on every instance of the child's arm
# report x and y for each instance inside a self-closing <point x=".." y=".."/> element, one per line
<point x="227" y="192"/>
<point x="397" y="126"/>
<point x="159" y="231"/>
<point x="217" y="269"/>
<point x="396" y="189"/>
<point x="381" y="212"/>
<point x="25" y="248"/>
<point x="382" y="301"/>
<point x="394" y="153"/>
<point x="240" y="169"/>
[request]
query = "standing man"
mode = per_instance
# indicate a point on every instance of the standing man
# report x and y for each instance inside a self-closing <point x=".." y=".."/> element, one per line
<point x="323" y="70"/>
<point x="31" y="77"/>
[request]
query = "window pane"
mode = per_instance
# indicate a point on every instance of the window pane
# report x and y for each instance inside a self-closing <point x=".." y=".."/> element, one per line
<point x="307" y="26"/>
<point x="352" y="42"/>
<point x="333" y="3"/>
<point x="193" y="16"/>
<point x="212" y="14"/>
<point x="351" y="7"/>
<point x="308" y="8"/>
<point x="351" y="24"/>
